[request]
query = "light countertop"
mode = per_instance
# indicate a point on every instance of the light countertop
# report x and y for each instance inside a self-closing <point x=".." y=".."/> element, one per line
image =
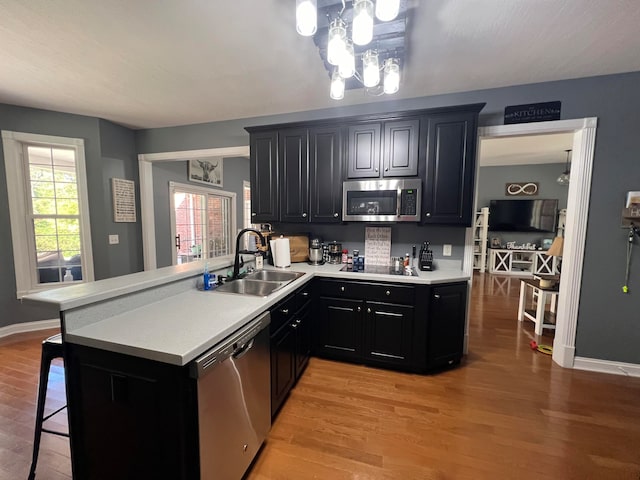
<point x="179" y="328"/>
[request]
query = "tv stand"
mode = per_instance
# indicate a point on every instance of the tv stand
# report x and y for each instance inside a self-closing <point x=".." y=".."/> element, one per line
<point x="521" y="262"/>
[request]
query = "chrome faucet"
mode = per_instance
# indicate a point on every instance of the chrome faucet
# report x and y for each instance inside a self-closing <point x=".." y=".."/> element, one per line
<point x="238" y="262"/>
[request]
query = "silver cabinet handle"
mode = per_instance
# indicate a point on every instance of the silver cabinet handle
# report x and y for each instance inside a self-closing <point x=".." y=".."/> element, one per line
<point x="428" y="214"/>
<point x="298" y="321"/>
<point x="436" y="296"/>
<point x="335" y="215"/>
<point x="285" y="311"/>
<point x="368" y="310"/>
<point x="342" y="289"/>
<point x="294" y="325"/>
<point x="359" y="309"/>
<point x="376" y="169"/>
<point x="304" y="215"/>
<point x="305" y="294"/>
<point x="253" y="214"/>
<point x="388" y="293"/>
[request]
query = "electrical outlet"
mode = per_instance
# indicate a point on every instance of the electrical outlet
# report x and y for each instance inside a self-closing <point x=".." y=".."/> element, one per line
<point x="446" y="250"/>
<point x="114" y="239"/>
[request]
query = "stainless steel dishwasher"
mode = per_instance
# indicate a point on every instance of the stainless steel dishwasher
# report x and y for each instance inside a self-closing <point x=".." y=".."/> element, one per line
<point x="234" y="409"/>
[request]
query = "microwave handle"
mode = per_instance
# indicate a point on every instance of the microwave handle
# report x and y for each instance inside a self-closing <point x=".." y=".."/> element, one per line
<point x="398" y="201"/>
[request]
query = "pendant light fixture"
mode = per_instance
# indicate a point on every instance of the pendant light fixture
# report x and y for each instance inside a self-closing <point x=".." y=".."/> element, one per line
<point x="362" y="21"/>
<point x="347" y="67"/>
<point x="336" y="90"/>
<point x="564" y="177"/>
<point x="391" y="76"/>
<point x="387" y="10"/>
<point x="370" y="68"/>
<point x="337" y="41"/>
<point x="306" y="17"/>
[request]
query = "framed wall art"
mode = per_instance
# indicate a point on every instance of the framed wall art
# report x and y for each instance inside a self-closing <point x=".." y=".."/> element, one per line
<point x="206" y="170"/>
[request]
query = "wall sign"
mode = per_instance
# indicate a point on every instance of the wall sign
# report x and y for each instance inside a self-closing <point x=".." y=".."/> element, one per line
<point x="124" y="200"/>
<point x="377" y="245"/>
<point x="516" y="189"/>
<point x="532" y="112"/>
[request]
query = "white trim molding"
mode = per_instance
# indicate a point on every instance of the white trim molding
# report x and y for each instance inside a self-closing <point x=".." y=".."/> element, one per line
<point x="29" y="327"/>
<point x="606" y="366"/>
<point x="147" y="209"/>
<point x="584" y="131"/>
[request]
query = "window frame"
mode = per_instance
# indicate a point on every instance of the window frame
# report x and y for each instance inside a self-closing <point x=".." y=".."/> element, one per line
<point x="188" y="188"/>
<point x="24" y="257"/>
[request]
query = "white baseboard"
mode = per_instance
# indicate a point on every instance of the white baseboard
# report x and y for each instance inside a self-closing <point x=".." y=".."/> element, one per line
<point x="607" y="366"/>
<point x="29" y="327"/>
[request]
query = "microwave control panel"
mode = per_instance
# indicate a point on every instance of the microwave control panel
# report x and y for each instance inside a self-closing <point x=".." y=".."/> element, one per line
<point x="408" y="201"/>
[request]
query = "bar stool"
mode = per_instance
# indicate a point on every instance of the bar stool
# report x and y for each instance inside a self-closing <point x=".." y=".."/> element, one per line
<point x="51" y="348"/>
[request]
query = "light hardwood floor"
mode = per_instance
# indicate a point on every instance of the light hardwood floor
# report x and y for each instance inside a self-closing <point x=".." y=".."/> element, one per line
<point x="506" y="413"/>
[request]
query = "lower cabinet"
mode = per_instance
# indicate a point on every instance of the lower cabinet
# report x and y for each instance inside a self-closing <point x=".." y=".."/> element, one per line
<point x="447" y="314"/>
<point x="291" y="340"/>
<point x="388" y="334"/>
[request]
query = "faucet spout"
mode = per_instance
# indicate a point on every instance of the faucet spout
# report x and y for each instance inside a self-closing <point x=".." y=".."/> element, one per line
<point x="236" y="261"/>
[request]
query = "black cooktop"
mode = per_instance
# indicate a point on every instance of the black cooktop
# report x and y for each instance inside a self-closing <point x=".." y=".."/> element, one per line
<point x="383" y="270"/>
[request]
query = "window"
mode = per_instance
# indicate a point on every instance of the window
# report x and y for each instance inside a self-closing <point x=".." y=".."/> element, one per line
<point x="46" y="184"/>
<point x="203" y="222"/>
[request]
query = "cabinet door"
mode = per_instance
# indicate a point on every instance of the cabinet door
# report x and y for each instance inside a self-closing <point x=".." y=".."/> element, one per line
<point x="325" y="174"/>
<point x="447" y="315"/>
<point x="264" y="177"/>
<point x="294" y="175"/>
<point x="364" y="151"/>
<point x="450" y="168"/>
<point x="388" y="334"/>
<point x="283" y="347"/>
<point x="339" y="328"/>
<point x="304" y="338"/>
<point x="400" y="154"/>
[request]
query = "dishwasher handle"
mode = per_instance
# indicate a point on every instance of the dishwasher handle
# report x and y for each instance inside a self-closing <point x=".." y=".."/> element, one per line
<point x="243" y="350"/>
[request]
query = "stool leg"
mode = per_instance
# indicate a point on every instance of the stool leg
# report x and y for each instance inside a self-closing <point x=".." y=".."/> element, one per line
<point x="45" y="364"/>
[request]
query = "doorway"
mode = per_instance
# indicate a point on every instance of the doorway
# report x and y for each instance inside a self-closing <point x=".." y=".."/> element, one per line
<point x="584" y="131"/>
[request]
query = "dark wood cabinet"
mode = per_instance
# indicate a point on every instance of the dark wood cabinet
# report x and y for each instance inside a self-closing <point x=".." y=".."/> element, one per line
<point x="339" y="328"/>
<point x="447" y="315"/>
<point x="293" y="152"/>
<point x="363" y="147"/>
<point x="400" y="152"/>
<point x="263" y="161"/>
<point x="449" y="170"/>
<point x="388" y="333"/>
<point x="325" y="174"/>
<point x="283" y="348"/>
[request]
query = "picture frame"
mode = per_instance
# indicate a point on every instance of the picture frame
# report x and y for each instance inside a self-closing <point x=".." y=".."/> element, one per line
<point x="495" y="242"/>
<point x="206" y="170"/>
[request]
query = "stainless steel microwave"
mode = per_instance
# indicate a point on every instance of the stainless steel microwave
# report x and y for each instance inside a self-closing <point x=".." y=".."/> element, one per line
<point x="388" y="200"/>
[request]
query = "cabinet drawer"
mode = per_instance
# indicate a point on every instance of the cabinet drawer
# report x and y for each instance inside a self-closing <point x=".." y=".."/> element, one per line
<point x="381" y="292"/>
<point x="282" y="313"/>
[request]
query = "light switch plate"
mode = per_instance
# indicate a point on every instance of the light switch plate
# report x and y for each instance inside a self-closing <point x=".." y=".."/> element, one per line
<point x="446" y="250"/>
<point x="114" y="239"/>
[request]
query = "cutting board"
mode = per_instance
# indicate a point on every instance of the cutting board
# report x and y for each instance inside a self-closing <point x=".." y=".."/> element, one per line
<point x="298" y="246"/>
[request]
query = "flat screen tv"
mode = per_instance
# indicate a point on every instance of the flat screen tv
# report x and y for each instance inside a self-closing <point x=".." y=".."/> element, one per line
<point x="524" y="215"/>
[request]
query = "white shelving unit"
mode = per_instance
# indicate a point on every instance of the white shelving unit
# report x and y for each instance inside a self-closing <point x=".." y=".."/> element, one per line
<point x="521" y="262"/>
<point x="480" y="236"/>
<point x="562" y="218"/>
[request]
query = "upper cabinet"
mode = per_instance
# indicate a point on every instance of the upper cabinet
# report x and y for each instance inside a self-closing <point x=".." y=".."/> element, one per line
<point x="449" y="167"/>
<point x="297" y="169"/>
<point x="383" y="149"/>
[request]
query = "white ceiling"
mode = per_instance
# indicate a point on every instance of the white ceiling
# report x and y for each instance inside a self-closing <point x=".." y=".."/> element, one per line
<point x="525" y="150"/>
<point x="152" y="63"/>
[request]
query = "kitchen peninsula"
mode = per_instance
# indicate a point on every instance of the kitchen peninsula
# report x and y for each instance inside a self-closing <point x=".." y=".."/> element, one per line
<point x="131" y="342"/>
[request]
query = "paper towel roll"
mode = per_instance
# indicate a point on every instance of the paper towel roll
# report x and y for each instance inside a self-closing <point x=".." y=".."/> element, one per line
<point x="281" y="252"/>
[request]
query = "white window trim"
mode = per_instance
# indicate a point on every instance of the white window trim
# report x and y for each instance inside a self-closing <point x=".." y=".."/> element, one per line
<point x="12" y="143"/>
<point x="188" y="188"/>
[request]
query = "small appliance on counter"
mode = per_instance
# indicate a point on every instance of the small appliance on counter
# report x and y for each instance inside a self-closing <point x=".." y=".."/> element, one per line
<point x="426" y="258"/>
<point x="315" y="252"/>
<point x="335" y="253"/>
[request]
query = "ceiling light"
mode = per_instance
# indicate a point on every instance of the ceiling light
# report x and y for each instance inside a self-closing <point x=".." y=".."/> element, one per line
<point x="337" y="86"/>
<point x="564" y="177"/>
<point x="347" y="65"/>
<point x="337" y="41"/>
<point x="306" y="17"/>
<point x="391" y="76"/>
<point x="362" y="22"/>
<point x="370" y="68"/>
<point x="387" y="9"/>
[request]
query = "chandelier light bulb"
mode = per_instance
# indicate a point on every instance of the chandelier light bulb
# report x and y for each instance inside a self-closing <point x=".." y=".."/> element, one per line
<point x="362" y="21"/>
<point x="337" y="41"/>
<point x="347" y="67"/>
<point x="387" y="9"/>
<point x="370" y="68"/>
<point x="391" y="76"/>
<point x="337" y="86"/>
<point x="306" y="17"/>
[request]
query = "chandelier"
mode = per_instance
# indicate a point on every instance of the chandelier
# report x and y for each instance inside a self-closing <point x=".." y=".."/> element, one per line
<point x="357" y="50"/>
<point x="565" y="176"/>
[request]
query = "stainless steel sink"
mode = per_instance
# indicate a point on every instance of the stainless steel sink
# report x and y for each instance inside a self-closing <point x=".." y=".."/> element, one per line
<point x="274" y="276"/>
<point x="259" y="288"/>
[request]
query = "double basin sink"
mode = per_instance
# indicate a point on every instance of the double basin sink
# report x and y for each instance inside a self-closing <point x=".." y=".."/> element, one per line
<point x="260" y="283"/>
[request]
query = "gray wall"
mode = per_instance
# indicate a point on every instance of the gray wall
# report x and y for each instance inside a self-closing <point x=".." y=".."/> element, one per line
<point x="491" y="182"/>
<point x="109" y="151"/>
<point x="613" y="99"/>
<point x="235" y="171"/>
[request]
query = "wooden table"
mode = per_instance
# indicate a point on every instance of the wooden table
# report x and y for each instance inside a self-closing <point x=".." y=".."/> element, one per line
<point x="542" y="317"/>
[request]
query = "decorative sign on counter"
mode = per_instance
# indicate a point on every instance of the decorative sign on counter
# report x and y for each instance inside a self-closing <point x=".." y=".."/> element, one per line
<point x="377" y="245"/>
<point x="522" y="246"/>
<point x="124" y="200"/>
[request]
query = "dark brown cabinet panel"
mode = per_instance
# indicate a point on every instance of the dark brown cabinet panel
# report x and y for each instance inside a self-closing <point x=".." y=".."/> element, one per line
<point x="388" y="333"/>
<point x="400" y="154"/>
<point x="294" y="175"/>
<point x="364" y="151"/>
<point x="283" y="346"/>
<point x="325" y="174"/>
<point x="263" y="162"/>
<point x="339" y="328"/>
<point x="450" y="168"/>
<point x="447" y="314"/>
